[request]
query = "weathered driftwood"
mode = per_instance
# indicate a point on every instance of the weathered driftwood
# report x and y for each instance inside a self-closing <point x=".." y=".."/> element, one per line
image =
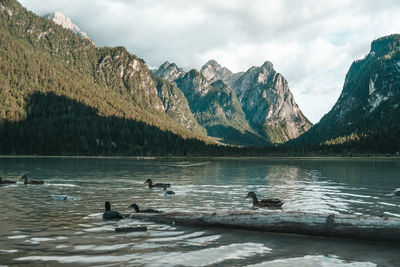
<point x="338" y="225"/>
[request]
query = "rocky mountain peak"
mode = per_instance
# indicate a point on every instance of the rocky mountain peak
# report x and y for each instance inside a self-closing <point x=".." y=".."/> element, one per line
<point x="213" y="71"/>
<point x="269" y="105"/>
<point x="214" y="64"/>
<point x="169" y="71"/>
<point x="65" y="22"/>
<point x="267" y="65"/>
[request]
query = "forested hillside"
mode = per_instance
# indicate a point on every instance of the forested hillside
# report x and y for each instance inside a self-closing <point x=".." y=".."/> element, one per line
<point x="40" y="58"/>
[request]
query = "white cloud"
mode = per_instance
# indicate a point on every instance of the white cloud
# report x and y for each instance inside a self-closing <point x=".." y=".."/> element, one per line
<point x="311" y="42"/>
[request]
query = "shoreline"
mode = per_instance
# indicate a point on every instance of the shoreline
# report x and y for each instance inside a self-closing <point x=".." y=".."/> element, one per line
<point x="209" y="157"/>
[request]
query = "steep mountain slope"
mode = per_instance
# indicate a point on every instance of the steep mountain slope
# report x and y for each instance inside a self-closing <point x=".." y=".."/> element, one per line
<point x="217" y="108"/>
<point x="177" y="107"/>
<point x="368" y="109"/>
<point x="39" y="56"/>
<point x="269" y="105"/>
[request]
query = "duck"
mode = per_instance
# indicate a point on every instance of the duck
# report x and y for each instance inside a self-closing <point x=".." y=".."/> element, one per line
<point x="168" y="192"/>
<point x="30" y="182"/>
<point x="6" y="181"/>
<point x="396" y="192"/>
<point x="137" y="210"/>
<point x="111" y="215"/>
<point x="159" y="185"/>
<point x="269" y="202"/>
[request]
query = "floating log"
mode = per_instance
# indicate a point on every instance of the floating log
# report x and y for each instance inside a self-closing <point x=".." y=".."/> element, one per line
<point x="333" y="225"/>
<point x="131" y="229"/>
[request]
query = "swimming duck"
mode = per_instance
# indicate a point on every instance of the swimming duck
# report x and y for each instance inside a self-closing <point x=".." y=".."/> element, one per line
<point x="30" y="182"/>
<point x="168" y="192"/>
<point x="136" y="207"/>
<point x="109" y="214"/>
<point x="6" y="181"/>
<point x="396" y="192"/>
<point x="269" y="202"/>
<point x="159" y="185"/>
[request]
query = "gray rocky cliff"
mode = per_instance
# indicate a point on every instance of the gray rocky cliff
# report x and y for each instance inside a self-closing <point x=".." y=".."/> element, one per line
<point x="169" y="71"/>
<point x="213" y="71"/>
<point x="269" y="105"/>
<point x="217" y="109"/>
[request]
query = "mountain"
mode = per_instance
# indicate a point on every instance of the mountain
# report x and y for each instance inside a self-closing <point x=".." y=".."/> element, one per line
<point x="367" y="112"/>
<point x="169" y="71"/>
<point x="176" y="106"/>
<point x="217" y="109"/>
<point x="266" y="100"/>
<point x="260" y="102"/>
<point x="104" y="100"/>
<point x="50" y="60"/>
<point x="213" y="71"/>
<point x="65" y="22"/>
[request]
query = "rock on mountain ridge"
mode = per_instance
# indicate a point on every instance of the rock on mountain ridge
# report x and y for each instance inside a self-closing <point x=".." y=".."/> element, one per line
<point x="64" y="21"/>
<point x="213" y="71"/>
<point x="169" y="71"/>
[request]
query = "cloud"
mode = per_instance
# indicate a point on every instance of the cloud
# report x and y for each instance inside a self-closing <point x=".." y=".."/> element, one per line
<point x="311" y="42"/>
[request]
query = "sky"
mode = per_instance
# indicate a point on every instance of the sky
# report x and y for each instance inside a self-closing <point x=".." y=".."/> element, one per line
<point x="312" y="43"/>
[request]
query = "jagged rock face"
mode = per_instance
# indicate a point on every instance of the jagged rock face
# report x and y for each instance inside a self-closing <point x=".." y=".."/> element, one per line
<point x="370" y="100"/>
<point x="169" y="71"/>
<point x="261" y="102"/>
<point x="213" y="71"/>
<point x="269" y="105"/>
<point x="177" y="107"/>
<point x="214" y="105"/>
<point x="64" y="21"/>
<point x="117" y="68"/>
<point x="217" y="108"/>
<point x="193" y="85"/>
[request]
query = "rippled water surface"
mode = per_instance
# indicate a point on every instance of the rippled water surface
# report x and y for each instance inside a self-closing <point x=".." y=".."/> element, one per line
<point x="35" y="230"/>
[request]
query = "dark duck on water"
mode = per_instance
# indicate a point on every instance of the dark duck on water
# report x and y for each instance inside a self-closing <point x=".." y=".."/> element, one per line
<point x="269" y="202"/>
<point x="137" y="210"/>
<point x="25" y="178"/>
<point x="111" y="215"/>
<point x="158" y="185"/>
<point x="6" y="181"/>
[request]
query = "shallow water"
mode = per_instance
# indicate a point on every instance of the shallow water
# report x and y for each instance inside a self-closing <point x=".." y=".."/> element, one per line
<point x="35" y="230"/>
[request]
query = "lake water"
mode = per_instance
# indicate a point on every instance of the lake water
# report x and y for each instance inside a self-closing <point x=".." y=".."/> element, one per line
<point x="36" y="231"/>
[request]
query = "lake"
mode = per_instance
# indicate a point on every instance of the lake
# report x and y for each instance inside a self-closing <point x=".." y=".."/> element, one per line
<point x="35" y="230"/>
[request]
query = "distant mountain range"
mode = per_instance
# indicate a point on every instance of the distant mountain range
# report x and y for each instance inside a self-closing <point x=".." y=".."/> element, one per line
<point x="61" y="94"/>
<point x="254" y="107"/>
